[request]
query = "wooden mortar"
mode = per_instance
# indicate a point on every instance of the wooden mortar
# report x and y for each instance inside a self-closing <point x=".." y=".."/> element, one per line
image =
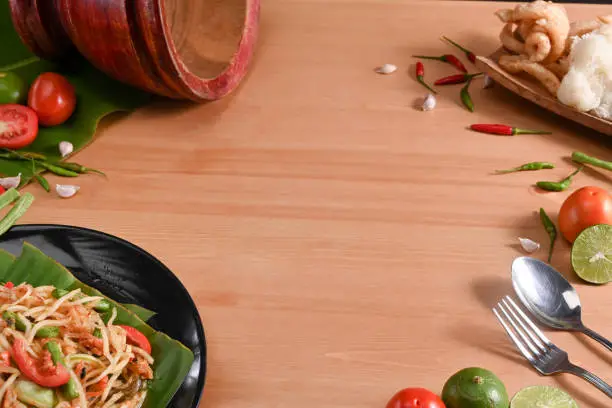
<point x="183" y="49"/>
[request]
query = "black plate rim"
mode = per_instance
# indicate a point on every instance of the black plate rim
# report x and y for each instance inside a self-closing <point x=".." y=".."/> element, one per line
<point x="199" y="326"/>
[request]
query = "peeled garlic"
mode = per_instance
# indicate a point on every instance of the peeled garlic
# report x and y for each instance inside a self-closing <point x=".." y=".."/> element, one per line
<point x="66" y="190"/>
<point x="10" y="182"/>
<point x="428" y="103"/>
<point x="488" y="82"/>
<point x="529" y="245"/>
<point x="386" y="69"/>
<point x="65" y="148"/>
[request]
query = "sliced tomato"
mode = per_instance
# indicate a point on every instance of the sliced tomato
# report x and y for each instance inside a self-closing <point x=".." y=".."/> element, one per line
<point x="136" y="338"/>
<point x="98" y="388"/>
<point x="9" y="285"/>
<point x="5" y="359"/>
<point x="18" y="126"/>
<point x="2" y="190"/>
<point x="35" y="371"/>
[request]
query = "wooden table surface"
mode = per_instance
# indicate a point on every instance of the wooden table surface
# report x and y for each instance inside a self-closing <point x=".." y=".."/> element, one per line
<point x="340" y="244"/>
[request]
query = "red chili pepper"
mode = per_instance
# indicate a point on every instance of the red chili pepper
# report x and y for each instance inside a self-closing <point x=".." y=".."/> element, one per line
<point x="420" y="71"/>
<point x="506" y="130"/>
<point x="456" y="79"/>
<point x="469" y="54"/>
<point x="9" y="285"/>
<point x="451" y="59"/>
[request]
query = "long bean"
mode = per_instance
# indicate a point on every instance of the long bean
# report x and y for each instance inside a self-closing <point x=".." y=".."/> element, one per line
<point x="582" y="158"/>
<point x="20" y="207"/>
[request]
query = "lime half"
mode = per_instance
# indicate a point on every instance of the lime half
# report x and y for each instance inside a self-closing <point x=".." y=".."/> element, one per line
<point x="592" y="254"/>
<point x="540" y="396"/>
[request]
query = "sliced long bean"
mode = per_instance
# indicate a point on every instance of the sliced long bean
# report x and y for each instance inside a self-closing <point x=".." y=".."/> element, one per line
<point x="21" y="206"/>
<point x="8" y="197"/>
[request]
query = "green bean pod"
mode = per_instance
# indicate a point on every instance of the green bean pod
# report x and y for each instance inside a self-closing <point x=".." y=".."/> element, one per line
<point x="48" y="332"/>
<point x="12" y="318"/>
<point x="582" y="158"/>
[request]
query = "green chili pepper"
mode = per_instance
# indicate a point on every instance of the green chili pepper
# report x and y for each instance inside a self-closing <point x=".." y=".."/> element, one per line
<point x="528" y="167"/>
<point x="465" y="96"/>
<point x="560" y="185"/>
<point x="20" y="207"/>
<point x="69" y="389"/>
<point x="582" y="158"/>
<point x="78" y="168"/>
<point x="48" y="332"/>
<point x="13" y="319"/>
<point x="58" y="170"/>
<point x="550" y="228"/>
<point x="42" y="181"/>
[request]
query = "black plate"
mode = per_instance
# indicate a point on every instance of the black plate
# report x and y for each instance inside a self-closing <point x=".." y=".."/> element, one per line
<point x="127" y="274"/>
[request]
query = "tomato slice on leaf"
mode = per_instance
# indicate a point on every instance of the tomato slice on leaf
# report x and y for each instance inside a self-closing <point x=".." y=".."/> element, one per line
<point x="136" y="338"/>
<point x="18" y="126"/>
<point x="33" y="370"/>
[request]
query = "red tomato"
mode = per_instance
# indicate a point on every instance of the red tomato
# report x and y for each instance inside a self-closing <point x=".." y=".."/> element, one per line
<point x="2" y="190"/>
<point x="53" y="98"/>
<point x="18" y="126"/>
<point x="33" y="370"/>
<point x="415" y="398"/>
<point x="585" y="207"/>
<point x="136" y="338"/>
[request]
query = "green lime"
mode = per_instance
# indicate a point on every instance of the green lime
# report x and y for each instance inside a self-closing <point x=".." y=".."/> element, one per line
<point x="474" y="387"/>
<point x="592" y="254"/>
<point x="12" y="88"/>
<point x="540" y="396"/>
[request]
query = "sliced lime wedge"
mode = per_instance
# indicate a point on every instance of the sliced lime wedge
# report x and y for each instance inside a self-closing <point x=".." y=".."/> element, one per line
<point x="541" y="396"/>
<point x="592" y="254"/>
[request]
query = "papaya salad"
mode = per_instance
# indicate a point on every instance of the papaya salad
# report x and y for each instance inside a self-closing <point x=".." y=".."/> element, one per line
<point x="61" y="349"/>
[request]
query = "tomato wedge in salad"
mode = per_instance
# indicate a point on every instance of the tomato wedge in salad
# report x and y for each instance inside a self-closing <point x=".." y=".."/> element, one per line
<point x="136" y="338"/>
<point x="18" y="126"/>
<point x="34" y="371"/>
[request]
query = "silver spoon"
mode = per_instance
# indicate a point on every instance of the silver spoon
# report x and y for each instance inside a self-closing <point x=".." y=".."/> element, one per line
<point x="550" y="297"/>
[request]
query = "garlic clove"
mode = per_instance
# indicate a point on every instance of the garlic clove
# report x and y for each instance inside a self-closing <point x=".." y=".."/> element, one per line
<point x="386" y="69"/>
<point x="529" y="245"/>
<point x="488" y="82"/>
<point x="428" y="103"/>
<point x="65" y="148"/>
<point x="10" y="182"/>
<point x="66" y="190"/>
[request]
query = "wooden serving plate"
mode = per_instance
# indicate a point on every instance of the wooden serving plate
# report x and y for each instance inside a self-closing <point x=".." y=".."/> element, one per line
<point x="534" y="92"/>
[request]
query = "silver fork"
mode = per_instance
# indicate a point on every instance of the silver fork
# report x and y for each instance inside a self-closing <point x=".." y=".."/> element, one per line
<point x="547" y="358"/>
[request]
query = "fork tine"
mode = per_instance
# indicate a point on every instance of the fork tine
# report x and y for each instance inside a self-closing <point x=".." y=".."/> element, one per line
<point x="521" y="332"/>
<point x="535" y="329"/>
<point x="513" y="337"/>
<point x="521" y="322"/>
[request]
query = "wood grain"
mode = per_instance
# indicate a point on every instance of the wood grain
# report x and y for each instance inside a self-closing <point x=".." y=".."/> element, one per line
<point x="339" y="243"/>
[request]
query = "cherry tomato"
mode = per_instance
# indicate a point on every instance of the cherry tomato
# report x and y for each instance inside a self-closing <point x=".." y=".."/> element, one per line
<point x="415" y="398"/>
<point x="33" y="370"/>
<point x="136" y="338"/>
<point x="18" y="126"/>
<point x="53" y="98"/>
<point x="585" y="207"/>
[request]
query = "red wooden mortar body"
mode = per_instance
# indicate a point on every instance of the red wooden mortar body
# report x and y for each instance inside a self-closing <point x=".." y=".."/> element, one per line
<point x="183" y="49"/>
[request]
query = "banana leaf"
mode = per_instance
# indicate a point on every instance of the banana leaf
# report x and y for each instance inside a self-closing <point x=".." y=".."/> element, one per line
<point x="172" y="359"/>
<point x="97" y="96"/>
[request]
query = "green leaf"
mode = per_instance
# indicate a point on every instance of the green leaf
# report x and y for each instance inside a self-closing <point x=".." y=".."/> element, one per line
<point x="6" y="260"/>
<point x="97" y="96"/>
<point x="144" y="314"/>
<point x="172" y="359"/>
